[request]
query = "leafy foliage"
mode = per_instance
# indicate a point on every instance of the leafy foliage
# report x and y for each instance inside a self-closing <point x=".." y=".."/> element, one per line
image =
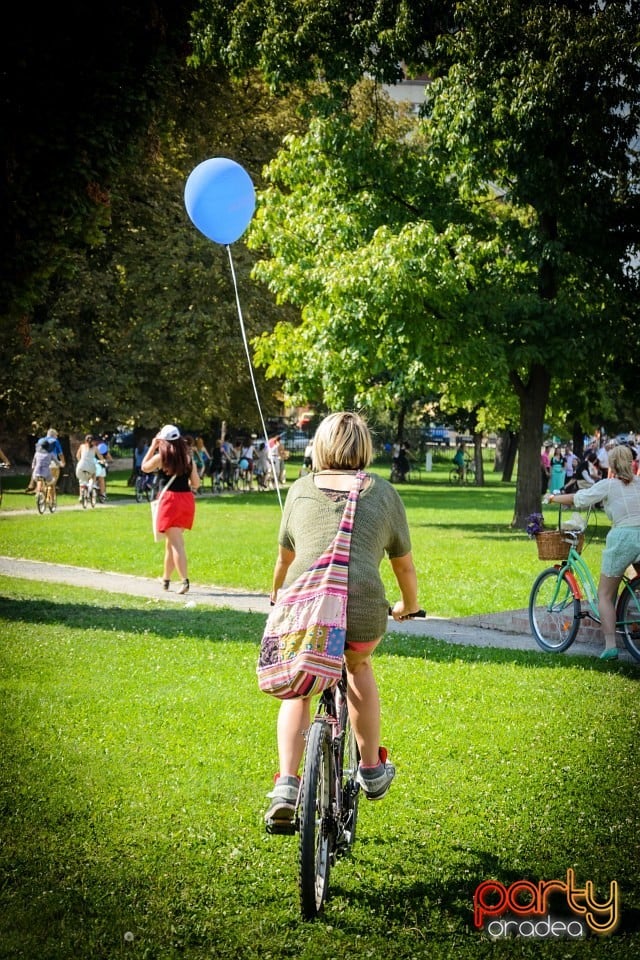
<point x="476" y="250"/>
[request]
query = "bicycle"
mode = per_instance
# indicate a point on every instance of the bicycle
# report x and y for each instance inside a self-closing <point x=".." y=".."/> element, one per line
<point x="565" y="594"/>
<point x="46" y="497"/>
<point x="327" y="805"/>
<point x="145" y="487"/>
<point x="88" y="493"/>
<point x="465" y="475"/>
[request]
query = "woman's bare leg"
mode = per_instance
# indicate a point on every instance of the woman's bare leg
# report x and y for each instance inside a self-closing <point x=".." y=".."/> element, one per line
<point x="363" y="701"/>
<point x="294" y="718"/>
<point x="607" y="594"/>
<point x="175" y="556"/>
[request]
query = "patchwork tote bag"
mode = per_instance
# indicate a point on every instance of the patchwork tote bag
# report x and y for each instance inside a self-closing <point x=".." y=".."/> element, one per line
<point x="303" y="641"/>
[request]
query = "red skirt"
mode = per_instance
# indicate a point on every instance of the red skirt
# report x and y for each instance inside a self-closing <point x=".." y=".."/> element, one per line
<point x="176" y="510"/>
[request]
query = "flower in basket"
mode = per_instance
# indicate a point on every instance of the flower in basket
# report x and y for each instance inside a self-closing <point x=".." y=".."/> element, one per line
<point x="535" y="525"/>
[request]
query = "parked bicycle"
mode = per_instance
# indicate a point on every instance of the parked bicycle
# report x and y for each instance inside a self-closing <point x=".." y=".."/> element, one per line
<point x="46" y="496"/>
<point x="458" y="475"/>
<point x="327" y="804"/>
<point x="566" y="593"/>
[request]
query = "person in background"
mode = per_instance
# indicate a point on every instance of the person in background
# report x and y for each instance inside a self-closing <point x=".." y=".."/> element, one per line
<point x="103" y="459"/>
<point x="41" y="465"/>
<point x="570" y="463"/>
<point x="557" y="470"/>
<point x="619" y="494"/>
<point x="460" y="460"/>
<point x="313" y="509"/>
<point x="278" y="455"/>
<point x="51" y="436"/>
<point x="171" y="455"/>
<point x="196" y="456"/>
<point x="603" y="455"/>
<point x="139" y="454"/>
<point x="545" y="468"/>
<point x="307" y="459"/>
<point x="204" y="458"/>
<point x="86" y="461"/>
<point x="58" y="453"/>
<point x="248" y="453"/>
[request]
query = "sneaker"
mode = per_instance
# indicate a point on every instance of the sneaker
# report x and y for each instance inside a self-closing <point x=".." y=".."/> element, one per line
<point x="283" y="798"/>
<point x="376" y="781"/>
<point x="184" y="587"/>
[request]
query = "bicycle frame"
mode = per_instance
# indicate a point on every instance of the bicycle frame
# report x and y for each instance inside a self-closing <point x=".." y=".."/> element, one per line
<point x="566" y="593"/>
<point x="583" y="585"/>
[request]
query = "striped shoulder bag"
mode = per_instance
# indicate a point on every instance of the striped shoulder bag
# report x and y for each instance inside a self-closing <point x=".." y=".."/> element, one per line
<point x="303" y="641"/>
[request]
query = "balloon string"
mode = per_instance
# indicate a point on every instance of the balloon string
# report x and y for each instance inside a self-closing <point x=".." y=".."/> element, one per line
<point x="253" y="380"/>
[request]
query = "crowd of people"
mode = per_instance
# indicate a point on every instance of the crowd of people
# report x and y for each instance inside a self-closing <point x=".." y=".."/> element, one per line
<point x="562" y="471"/>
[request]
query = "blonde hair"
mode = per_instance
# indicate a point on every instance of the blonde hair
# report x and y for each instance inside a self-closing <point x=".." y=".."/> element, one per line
<point x="621" y="462"/>
<point x="342" y="442"/>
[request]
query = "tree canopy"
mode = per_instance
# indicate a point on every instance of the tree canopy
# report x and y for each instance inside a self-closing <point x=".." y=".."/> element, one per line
<point x="113" y="308"/>
<point x="485" y="251"/>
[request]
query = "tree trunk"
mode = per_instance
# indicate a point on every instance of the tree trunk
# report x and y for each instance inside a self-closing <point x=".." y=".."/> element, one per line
<point x="509" y="447"/>
<point x="533" y="397"/>
<point x="477" y="459"/>
<point x="401" y="418"/>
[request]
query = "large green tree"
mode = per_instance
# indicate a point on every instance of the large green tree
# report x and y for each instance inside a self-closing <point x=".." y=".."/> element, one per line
<point x="113" y="308"/>
<point x="533" y="107"/>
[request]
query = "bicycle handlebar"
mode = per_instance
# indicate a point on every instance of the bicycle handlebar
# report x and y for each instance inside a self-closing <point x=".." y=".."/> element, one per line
<point x="417" y="615"/>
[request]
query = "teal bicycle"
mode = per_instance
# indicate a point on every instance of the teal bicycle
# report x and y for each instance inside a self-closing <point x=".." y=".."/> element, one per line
<point x="566" y="593"/>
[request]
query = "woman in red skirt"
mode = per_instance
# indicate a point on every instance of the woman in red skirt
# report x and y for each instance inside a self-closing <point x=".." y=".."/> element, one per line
<point x="170" y="454"/>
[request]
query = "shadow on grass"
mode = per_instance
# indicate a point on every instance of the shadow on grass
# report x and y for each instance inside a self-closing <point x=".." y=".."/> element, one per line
<point x="224" y="625"/>
<point x="210" y="624"/>
<point x="448" y="904"/>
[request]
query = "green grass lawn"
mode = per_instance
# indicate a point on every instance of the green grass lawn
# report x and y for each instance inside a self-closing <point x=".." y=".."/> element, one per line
<point x="469" y="559"/>
<point x="137" y="752"/>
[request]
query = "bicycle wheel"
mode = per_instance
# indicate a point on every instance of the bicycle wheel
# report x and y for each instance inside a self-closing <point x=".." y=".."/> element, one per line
<point x="628" y="616"/>
<point x="93" y="496"/>
<point x="52" y="500"/>
<point x="41" y="502"/>
<point x="554" y="612"/>
<point x="349" y="758"/>
<point x="454" y="475"/>
<point x="139" y="489"/>
<point x="84" y="497"/>
<point x="316" y="831"/>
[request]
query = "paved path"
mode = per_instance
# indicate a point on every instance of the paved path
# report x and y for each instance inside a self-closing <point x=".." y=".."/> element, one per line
<point x="506" y="631"/>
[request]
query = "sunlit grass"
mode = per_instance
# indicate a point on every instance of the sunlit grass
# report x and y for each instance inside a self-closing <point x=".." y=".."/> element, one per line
<point x="469" y="559"/>
<point x="137" y="752"/>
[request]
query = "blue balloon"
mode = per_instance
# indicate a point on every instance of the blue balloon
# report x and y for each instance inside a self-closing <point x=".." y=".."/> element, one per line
<point x="220" y="199"/>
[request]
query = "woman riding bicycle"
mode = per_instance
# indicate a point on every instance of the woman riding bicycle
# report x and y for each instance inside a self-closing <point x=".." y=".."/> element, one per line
<point x="620" y="497"/>
<point x="342" y="446"/>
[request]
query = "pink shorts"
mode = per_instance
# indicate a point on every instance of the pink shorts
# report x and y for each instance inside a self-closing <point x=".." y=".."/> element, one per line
<point x="361" y="646"/>
<point x="176" y="510"/>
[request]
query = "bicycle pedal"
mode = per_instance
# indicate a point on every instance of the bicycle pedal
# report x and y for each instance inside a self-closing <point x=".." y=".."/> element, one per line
<point x="282" y="827"/>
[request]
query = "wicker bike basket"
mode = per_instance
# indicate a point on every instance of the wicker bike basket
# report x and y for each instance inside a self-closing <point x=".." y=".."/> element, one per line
<point x="554" y="544"/>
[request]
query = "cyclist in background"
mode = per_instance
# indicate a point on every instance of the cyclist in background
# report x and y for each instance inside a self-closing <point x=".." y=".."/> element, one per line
<point x="86" y="461"/>
<point x="460" y="460"/>
<point x="620" y="497"/>
<point x="42" y="463"/>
